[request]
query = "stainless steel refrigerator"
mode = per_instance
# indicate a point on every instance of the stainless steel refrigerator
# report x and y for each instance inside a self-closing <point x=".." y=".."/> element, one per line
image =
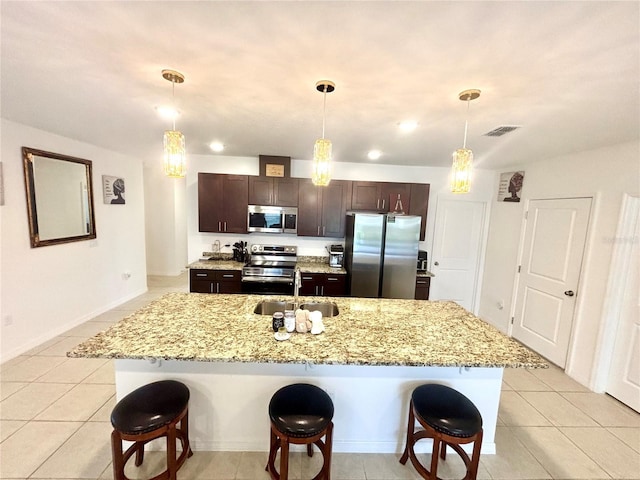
<point x="380" y="254"/>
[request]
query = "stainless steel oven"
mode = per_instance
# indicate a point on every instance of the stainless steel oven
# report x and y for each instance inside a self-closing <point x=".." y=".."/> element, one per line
<point x="270" y="219"/>
<point x="270" y="270"/>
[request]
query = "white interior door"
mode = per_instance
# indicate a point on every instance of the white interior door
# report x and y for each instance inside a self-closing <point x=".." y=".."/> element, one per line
<point x="554" y="241"/>
<point x="456" y="251"/>
<point x="624" y="373"/>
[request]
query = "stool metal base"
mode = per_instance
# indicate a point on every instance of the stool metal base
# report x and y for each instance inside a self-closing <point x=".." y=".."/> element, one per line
<point x="171" y="431"/>
<point x="282" y="441"/>
<point x="440" y="439"/>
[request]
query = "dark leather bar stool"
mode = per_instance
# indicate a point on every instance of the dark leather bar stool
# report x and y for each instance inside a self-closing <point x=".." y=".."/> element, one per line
<point x="300" y="414"/>
<point x="149" y="412"/>
<point x="450" y="419"/>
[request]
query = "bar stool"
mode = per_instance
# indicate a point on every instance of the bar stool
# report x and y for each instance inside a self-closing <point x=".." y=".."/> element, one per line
<point x="300" y="414"/>
<point x="450" y="419"/>
<point x="149" y="412"/>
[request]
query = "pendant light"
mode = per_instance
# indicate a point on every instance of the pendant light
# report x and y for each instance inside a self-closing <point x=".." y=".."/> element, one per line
<point x="463" y="157"/>
<point x="175" y="164"/>
<point x="321" y="175"/>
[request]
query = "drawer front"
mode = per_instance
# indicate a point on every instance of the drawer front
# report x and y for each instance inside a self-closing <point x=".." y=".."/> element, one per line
<point x="229" y="275"/>
<point x="202" y="274"/>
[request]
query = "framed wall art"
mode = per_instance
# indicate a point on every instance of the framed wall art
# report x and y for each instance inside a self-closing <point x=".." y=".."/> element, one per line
<point x="510" y="187"/>
<point x="113" y="190"/>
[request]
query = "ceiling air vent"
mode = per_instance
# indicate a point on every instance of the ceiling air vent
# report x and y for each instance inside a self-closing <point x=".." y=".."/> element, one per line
<point x="499" y="131"/>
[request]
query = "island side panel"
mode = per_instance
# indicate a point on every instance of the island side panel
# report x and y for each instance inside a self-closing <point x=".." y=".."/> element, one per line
<point x="229" y="401"/>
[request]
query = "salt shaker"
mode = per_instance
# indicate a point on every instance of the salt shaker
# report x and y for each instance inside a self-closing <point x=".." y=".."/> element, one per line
<point x="289" y="320"/>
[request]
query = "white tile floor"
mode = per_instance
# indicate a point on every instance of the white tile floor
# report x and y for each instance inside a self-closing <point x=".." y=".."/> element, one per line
<point x="54" y="424"/>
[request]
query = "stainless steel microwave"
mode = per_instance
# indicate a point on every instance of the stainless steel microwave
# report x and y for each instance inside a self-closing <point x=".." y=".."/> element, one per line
<point x="269" y="219"/>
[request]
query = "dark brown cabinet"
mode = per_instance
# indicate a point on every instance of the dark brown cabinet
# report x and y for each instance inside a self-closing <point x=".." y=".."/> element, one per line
<point x="324" y="284"/>
<point x="422" y="288"/>
<point x="380" y="196"/>
<point x="322" y="210"/>
<point x="282" y="192"/>
<point x="215" y="281"/>
<point x="222" y="203"/>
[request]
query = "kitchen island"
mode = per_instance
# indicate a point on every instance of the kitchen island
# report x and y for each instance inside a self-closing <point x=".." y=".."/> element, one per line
<point x="369" y="359"/>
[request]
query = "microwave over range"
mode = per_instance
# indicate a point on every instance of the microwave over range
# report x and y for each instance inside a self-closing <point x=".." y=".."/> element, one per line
<point x="270" y="219"/>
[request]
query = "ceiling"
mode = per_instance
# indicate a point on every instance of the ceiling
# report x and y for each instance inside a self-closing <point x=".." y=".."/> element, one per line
<point x="566" y="72"/>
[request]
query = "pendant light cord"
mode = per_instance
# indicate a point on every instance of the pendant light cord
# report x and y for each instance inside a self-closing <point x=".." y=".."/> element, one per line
<point x="466" y="124"/>
<point x="173" y="98"/>
<point x="324" y="109"/>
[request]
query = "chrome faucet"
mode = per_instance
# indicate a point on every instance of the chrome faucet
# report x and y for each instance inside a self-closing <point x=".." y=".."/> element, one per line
<point x="297" y="283"/>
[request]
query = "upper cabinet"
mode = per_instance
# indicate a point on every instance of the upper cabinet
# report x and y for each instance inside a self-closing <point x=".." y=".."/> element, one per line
<point x="282" y="192"/>
<point x="222" y="203"/>
<point x="380" y="196"/>
<point x="322" y="210"/>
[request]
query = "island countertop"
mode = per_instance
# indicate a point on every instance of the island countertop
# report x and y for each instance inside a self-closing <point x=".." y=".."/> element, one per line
<point x="223" y="328"/>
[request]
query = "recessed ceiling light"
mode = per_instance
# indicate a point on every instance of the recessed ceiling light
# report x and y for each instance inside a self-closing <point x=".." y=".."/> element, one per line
<point x="408" y="125"/>
<point x="374" y="154"/>
<point x="216" y="146"/>
<point x="168" y="112"/>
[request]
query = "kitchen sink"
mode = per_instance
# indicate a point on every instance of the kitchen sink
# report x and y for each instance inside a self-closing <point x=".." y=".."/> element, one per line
<point x="269" y="308"/>
<point x="327" y="309"/>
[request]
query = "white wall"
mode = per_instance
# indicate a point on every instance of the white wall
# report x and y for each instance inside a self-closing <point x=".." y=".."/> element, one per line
<point x="165" y="221"/>
<point x="48" y="290"/>
<point x="604" y="174"/>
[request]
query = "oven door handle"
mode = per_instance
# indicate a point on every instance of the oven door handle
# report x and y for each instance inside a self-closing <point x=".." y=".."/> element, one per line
<point x="267" y="280"/>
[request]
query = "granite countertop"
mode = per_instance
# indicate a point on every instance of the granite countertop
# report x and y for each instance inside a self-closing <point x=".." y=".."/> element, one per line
<point x="223" y="328"/>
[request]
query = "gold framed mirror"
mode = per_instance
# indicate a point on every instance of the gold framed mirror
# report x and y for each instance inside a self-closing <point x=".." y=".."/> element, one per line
<point x="59" y="197"/>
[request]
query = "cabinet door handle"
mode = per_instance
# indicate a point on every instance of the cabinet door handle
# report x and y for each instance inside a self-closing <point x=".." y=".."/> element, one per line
<point x="217" y="287"/>
<point x="322" y="290"/>
<point x="211" y="288"/>
<point x="318" y="230"/>
<point x="332" y="279"/>
<point x="383" y="200"/>
<point x="307" y="278"/>
<point x="377" y="203"/>
<point x="227" y="275"/>
<point x="436" y="263"/>
<point x="324" y="229"/>
<point x="569" y="293"/>
<point x="225" y="226"/>
<point x="419" y="282"/>
<point x="201" y="274"/>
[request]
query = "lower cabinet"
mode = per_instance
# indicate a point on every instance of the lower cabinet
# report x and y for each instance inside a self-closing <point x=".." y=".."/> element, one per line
<point x="324" y="284"/>
<point x="215" y="281"/>
<point x="422" y="288"/>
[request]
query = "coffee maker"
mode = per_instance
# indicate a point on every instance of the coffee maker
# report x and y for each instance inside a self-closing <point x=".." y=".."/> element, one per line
<point x="422" y="261"/>
<point x="336" y="256"/>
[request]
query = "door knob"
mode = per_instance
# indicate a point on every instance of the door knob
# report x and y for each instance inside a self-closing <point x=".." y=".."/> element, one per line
<point x="569" y="293"/>
<point x="436" y="263"/>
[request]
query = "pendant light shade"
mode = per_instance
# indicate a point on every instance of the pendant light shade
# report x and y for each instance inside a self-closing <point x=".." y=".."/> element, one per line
<point x="321" y="175"/>
<point x="175" y="161"/>
<point x="461" y="171"/>
<point x="463" y="157"/>
<point x="174" y="154"/>
<point x="321" y="162"/>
